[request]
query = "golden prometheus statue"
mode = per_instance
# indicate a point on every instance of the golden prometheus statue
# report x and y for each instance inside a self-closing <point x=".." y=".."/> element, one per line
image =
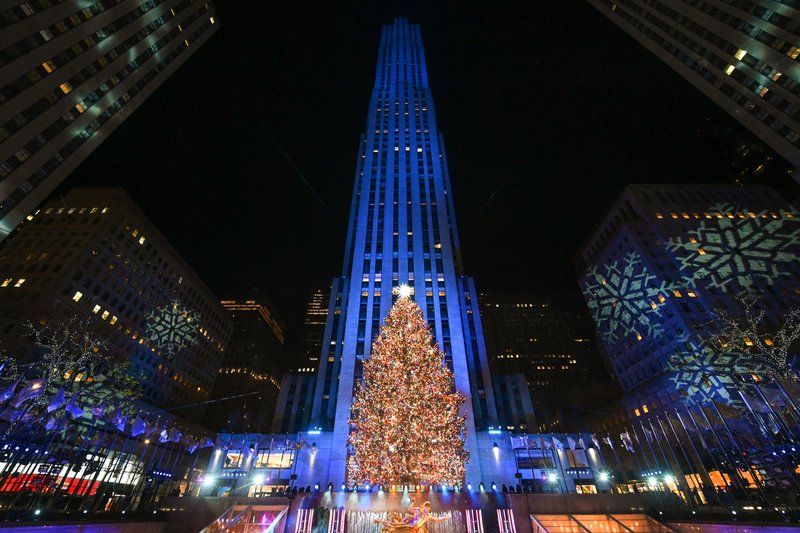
<point x="415" y="520"/>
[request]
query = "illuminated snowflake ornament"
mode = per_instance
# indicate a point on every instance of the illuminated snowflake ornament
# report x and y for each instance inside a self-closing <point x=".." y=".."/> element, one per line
<point x="173" y="327"/>
<point x="704" y="374"/>
<point x="624" y="298"/>
<point x="735" y="250"/>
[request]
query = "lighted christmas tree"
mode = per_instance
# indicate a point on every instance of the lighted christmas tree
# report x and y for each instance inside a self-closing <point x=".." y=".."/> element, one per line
<point x="406" y="420"/>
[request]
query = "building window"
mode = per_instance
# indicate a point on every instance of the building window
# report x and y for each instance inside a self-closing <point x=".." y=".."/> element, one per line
<point x="233" y="459"/>
<point x="77" y="297"/>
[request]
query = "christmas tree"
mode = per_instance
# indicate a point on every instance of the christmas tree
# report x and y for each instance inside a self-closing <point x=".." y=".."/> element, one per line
<point x="405" y="417"/>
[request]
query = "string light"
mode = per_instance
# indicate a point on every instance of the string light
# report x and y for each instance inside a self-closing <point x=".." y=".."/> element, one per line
<point x="407" y="426"/>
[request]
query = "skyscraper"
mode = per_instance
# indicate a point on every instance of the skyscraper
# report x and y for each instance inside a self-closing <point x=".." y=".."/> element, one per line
<point x="314" y="323"/>
<point x="249" y="375"/>
<point x="402" y="231"/>
<point x="94" y="255"/>
<point x="742" y="55"/>
<point x="72" y="72"/>
<point x="663" y="260"/>
<point x="548" y="346"/>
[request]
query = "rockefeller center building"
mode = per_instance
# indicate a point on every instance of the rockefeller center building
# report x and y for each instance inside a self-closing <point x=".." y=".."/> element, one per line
<point x="662" y="264"/>
<point x="72" y="72"/>
<point x="742" y="55"/>
<point x="95" y="257"/>
<point x="402" y="231"/>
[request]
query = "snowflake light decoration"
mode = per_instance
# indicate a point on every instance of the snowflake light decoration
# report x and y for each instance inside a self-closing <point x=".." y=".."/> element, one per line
<point x="731" y="252"/>
<point x="173" y="327"/>
<point x="704" y="374"/>
<point x="624" y="298"/>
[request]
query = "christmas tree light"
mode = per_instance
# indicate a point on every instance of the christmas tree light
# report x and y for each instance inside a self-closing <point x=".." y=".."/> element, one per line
<point x="407" y="428"/>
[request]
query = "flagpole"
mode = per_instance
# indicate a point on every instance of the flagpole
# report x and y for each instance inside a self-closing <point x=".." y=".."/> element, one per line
<point x="115" y="459"/>
<point x="738" y="449"/>
<point x="723" y="449"/>
<point x="649" y="445"/>
<point x="707" y="481"/>
<point x="768" y="435"/>
<point x="619" y="464"/>
<point x="110" y="454"/>
<point x="682" y="484"/>
<point x="777" y="414"/>
<point x="76" y="455"/>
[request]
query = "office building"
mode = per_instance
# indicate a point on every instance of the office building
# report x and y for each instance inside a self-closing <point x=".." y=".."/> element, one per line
<point x="314" y="323"/>
<point x="72" y="72"/>
<point x="247" y="386"/>
<point x="94" y="254"/>
<point x="663" y="260"/>
<point x="551" y="344"/>
<point x="402" y="231"/>
<point x="742" y="55"/>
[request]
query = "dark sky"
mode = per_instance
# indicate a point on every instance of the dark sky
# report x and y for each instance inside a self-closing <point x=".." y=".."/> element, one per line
<point x="548" y="96"/>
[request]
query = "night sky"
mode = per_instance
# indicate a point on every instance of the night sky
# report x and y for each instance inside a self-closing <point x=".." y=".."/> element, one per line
<point x="549" y="98"/>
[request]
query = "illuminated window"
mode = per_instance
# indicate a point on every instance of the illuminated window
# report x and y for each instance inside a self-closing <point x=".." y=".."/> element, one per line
<point x="645" y="409"/>
<point x="49" y="66"/>
<point x="105" y="315"/>
<point x="740" y="54"/>
<point x="729" y="69"/>
<point x="763" y="91"/>
<point x="233" y="459"/>
<point x="77" y="296"/>
<point x="677" y="294"/>
<point x="80" y="107"/>
<point x="6" y="282"/>
<point x="276" y="459"/>
<point x="793" y="52"/>
<point x="96" y="309"/>
<point x="19" y="282"/>
<point x="775" y="75"/>
<point x="768" y="341"/>
<point x="636" y="412"/>
<point x="747" y="341"/>
<point x="113" y="320"/>
<point x="65" y="87"/>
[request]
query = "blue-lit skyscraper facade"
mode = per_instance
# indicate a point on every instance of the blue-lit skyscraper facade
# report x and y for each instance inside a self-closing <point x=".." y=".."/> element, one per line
<point x="664" y="260"/>
<point x="401" y="231"/>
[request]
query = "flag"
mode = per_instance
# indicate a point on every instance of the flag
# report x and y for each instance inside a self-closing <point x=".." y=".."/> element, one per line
<point x="608" y="441"/>
<point x="33" y="389"/>
<point x="648" y="434"/>
<point x="57" y="401"/>
<point x="558" y="444"/>
<point x="206" y="442"/>
<point x="174" y="435"/>
<point x="99" y="410"/>
<point x="118" y="420"/>
<point x="547" y="444"/>
<point x="138" y="427"/>
<point x="581" y="444"/>
<point x="571" y="443"/>
<point x="72" y="407"/>
<point x="626" y="441"/>
<point x="533" y="443"/>
<point x="596" y="442"/>
<point x="51" y="424"/>
<point x="9" y="391"/>
<point x="192" y="446"/>
<point x="2" y="367"/>
<point x="163" y="436"/>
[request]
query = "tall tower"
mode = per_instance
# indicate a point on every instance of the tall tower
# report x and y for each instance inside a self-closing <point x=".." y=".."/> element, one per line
<point x="402" y="230"/>
<point x="742" y="55"/>
<point x="72" y="73"/>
